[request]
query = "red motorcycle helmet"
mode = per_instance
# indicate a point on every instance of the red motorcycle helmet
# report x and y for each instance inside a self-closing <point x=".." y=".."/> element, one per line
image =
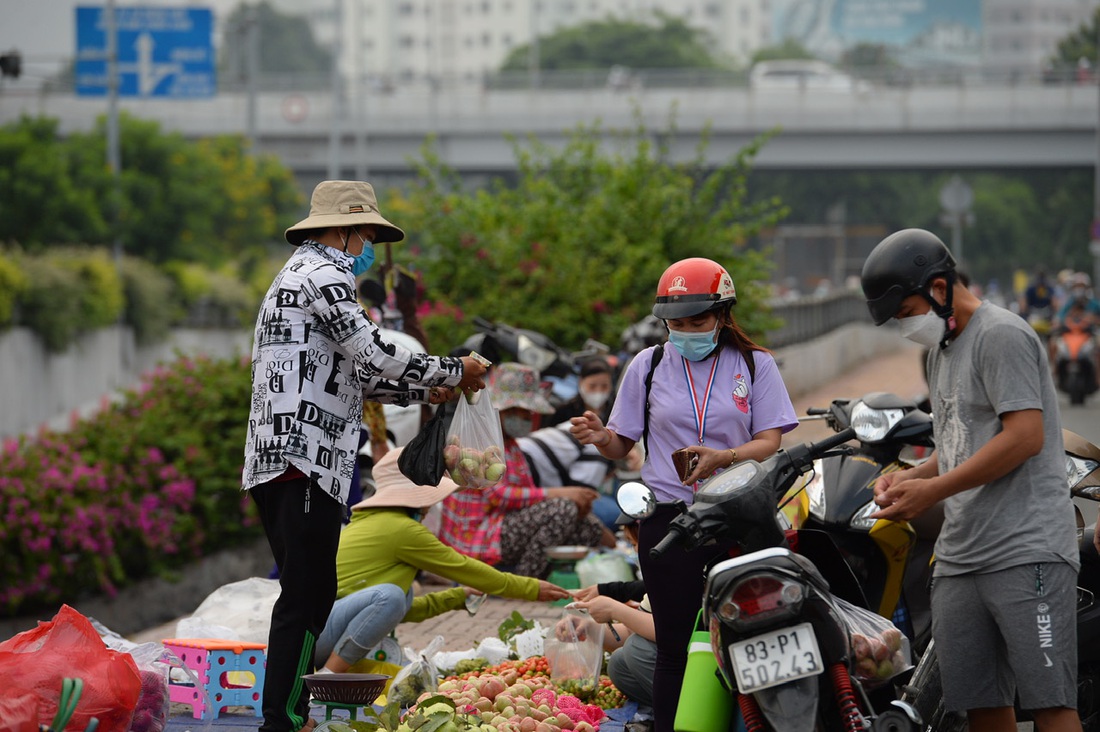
<point x="693" y="286"/>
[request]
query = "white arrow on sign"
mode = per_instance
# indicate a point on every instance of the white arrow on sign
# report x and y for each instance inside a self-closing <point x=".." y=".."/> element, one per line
<point x="148" y="72"/>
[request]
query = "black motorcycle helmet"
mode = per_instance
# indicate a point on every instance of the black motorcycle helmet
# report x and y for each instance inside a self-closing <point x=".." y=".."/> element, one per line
<point x="904" y="264"/>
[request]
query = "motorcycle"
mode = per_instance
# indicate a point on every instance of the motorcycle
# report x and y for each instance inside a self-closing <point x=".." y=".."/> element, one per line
<point x="776" y="618"/>
<point x="500" y="342"/>
<point x="890" y="559"/>
<point x="925" y="689"/>
<point x="1075" y="359"/>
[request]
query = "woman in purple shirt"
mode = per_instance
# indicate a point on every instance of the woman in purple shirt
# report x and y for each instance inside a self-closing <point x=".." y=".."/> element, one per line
<point x="713" y="392"/>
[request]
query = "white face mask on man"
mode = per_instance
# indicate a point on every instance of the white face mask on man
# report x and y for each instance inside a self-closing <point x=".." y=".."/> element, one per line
<point x="927" y="329"/>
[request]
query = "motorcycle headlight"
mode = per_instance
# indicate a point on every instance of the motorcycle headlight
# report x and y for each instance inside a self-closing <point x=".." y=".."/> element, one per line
<point x="872" y="425"/>
<point x="1076" y="471"/>
<point x="731" y="479"/>
<point x="862" y="520"/>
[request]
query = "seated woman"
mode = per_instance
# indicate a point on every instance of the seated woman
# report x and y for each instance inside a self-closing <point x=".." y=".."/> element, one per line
<point x="624" y="606"/>
<point x="381" y="551"/>
<point x="514" y="522"/>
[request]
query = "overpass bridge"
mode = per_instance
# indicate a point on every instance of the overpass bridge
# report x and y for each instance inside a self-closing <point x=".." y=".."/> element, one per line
<point x="987" y="125"/>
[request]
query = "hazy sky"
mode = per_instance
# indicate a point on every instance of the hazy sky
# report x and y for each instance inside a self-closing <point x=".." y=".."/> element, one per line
<point x="44" y="31"/>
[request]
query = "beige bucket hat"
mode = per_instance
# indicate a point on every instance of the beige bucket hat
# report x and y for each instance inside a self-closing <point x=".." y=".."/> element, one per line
<point x="392" y="488"/>
<point x="343" y="203"/>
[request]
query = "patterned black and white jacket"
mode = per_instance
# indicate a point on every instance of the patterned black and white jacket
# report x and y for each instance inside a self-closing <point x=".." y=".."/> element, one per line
<point x="316" y="356"/>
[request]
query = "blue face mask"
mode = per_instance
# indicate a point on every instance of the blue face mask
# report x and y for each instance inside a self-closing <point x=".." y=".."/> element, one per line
<point x="694" y="346"/>
<point x="364" y="261"/>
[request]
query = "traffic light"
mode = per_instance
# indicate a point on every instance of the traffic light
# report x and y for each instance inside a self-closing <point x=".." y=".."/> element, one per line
<point x="11" y="63"/>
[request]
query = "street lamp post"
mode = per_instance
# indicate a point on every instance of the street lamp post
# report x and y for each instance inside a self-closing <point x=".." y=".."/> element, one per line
<point x="956" y="197"/>
<point x="1094" y="244"/>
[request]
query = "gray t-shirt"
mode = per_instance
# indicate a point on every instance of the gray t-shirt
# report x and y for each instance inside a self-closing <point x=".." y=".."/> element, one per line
<point x="998" y="365"/>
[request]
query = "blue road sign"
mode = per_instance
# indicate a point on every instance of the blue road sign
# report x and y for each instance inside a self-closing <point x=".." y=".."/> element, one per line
<point x="162" y="52"/>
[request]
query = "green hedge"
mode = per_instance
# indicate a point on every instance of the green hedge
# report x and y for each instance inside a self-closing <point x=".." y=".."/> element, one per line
<point x="141" y="489"/>
<point x="69" y="291"/>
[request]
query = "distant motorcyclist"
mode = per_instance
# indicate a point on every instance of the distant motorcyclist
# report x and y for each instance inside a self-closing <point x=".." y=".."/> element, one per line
<point x="1080" y="294"/>
<point x="1039" y="297"/>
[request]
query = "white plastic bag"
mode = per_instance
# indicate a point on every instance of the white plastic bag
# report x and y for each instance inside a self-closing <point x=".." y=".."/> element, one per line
<point x="235" y="611"/>
<point x="879" y="649"/>
<point x="418" y="676"/>
<point x="603" y="567"/>
<point x="474" y="454"/>
<point x="493" y="650"/>
<point x="575" y="652"/>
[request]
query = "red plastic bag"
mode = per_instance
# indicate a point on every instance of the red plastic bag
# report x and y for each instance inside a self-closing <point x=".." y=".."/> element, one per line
<point x="34" y="663"/>
<point x="18" y="711"/>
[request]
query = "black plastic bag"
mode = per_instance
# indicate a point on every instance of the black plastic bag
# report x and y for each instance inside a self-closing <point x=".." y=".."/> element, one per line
<point x="422" y="459"/>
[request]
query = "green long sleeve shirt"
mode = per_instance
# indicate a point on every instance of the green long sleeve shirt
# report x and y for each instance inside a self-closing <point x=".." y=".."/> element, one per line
<point x="386" y="545"/>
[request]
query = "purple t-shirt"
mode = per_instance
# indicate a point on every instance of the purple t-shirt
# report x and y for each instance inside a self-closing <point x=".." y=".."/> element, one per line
<point x="737" y="409"/>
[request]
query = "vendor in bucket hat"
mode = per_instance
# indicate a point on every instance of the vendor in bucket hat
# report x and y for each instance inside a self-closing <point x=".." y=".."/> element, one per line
<point x="316" y="358"/>
<point x="343" y="203"/>
<point x="381" y="551"/>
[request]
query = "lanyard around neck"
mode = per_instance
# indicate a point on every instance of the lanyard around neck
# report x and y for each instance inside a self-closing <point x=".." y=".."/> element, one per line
<point x="700" y="410"/>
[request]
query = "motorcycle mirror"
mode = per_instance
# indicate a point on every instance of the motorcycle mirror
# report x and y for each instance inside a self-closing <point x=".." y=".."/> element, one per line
<point x="636" y="500"/>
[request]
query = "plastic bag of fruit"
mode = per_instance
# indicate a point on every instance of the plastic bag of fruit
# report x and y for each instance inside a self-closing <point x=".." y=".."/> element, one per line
<point x="474" y="453"/>
<point x="575" y="652"/>
<point x="418" y="676"/>
<point x="879" y="649"/>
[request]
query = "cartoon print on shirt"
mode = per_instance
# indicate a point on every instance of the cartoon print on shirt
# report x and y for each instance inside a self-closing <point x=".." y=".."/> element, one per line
<point x="952" y="435"/>
<point x="741" y="393"/>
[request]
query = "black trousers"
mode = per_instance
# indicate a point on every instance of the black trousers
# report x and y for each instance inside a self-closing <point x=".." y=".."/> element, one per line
<point x="674" y="584"/>
<point x="302" y="524"/>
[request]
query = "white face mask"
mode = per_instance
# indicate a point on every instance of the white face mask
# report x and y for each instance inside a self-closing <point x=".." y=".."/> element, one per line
<point x="594" y="399"/>
<point x="927" y="330"/>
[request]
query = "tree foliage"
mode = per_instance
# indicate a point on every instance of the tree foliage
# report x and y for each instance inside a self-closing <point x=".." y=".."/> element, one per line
<point x="205" y="201"/>
<point x="575" y="247"/>
<point x="1022" y="219"/>
<point x="1078" y="45"/>
<point x="601" y="44"/>
<point x="788" y="49"/>
<point x="286" y="42"/>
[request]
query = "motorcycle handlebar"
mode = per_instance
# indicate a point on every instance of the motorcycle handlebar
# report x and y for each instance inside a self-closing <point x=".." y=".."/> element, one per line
<point x="818" y="410"/>
<point x="672" y="537"/>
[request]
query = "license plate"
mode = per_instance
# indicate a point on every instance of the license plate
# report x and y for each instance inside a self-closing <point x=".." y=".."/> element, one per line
<point x="775" y="658"/>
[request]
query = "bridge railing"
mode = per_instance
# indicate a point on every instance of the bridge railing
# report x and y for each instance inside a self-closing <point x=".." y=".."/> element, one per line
<point x="811" y="317"/>
<point x="619" y="79"/>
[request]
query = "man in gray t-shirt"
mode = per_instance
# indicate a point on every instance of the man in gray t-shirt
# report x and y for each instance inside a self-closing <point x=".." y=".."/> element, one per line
<point x="1003" y="600"/>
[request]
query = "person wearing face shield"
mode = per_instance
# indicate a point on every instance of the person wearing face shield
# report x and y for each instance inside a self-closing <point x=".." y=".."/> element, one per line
<point x="712" y="393"/>
<point x="513" y="522"/>
<point x="1003" y="597"/>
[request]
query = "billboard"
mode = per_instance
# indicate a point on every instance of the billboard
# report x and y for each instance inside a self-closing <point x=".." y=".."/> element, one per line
<point x="918" y="32"/>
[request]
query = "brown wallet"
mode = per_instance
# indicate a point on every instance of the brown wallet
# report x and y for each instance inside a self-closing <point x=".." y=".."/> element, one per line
<point x="684" y="461"/>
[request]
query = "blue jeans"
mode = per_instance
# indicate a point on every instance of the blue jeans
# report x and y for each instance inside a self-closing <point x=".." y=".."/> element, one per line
<point x="360" y="621"/>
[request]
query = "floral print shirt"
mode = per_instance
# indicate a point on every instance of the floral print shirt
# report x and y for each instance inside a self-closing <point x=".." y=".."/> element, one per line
<point x="316" y="356"/>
